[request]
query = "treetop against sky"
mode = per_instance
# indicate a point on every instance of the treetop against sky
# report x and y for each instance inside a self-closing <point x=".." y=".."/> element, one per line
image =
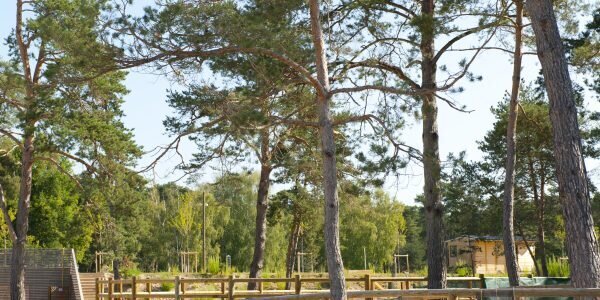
<point x="146" y="107"/>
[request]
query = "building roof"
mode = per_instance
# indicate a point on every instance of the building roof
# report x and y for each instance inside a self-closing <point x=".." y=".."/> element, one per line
<point x="490" y="238"/>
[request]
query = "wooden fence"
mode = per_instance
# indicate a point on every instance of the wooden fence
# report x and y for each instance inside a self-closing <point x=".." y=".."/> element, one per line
<point x="137" y="288"/>
<point x="453" y="294"/>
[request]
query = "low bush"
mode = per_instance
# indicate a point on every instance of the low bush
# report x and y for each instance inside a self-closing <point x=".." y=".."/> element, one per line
<point x="558" y="267"/>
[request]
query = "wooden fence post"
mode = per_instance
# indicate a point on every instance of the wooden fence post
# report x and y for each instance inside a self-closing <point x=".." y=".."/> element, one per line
<point x="110" y="288"/>
<point x="368" y="286"/>
<point x="148" y="289"/>
<point x="260" y="287"/>
<point x="298" y="284"/>
<point x="222" y="289"/>
<point x="182" y="287"/>
<point x="133" y="288"/>
<point x="231" y="283"/>
<point x="177" y="288"/>
<point x="97" y="288"/>
<point x="481" y="284"/>
<point x="49" y="293"/>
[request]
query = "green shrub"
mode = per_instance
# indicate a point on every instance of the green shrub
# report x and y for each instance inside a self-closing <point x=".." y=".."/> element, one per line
<point x="214" y="265"/>
<point x="558" y="267"/>
<point x="464" y="271"/>
<point x="167" y="286"/>
<point x="130" y="272"/>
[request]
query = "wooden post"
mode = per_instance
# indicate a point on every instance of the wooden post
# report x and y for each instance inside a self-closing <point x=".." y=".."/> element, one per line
<point x="260" y="287"/>
<point x="452" y="297"/>
<point x="481" y="281"/>
<point x="298" y="284"/>
<point x="368" y="286"/>
<point x="49" y="293"/>
<point x="222" y="289"/>
<point x="121" y="286"/>
<point x="408" y="285"/>
<point x="148" y="289"/>
<point x="177" y="288"/>
<point x="470" y="284"/>
<point x="133" y="288"/>
<point x="182" y="288"/>
<point x="97" y="288"/>
<point x="110" y="288"/>
<point x="231" y="287"/>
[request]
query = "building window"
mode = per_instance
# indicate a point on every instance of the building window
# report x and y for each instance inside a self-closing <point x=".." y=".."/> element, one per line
<point x="453" y="251"/>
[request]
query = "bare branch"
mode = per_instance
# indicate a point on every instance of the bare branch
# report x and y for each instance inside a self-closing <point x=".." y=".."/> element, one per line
<point x="450" y="43"/>
<point x="7" y="152"/>
<point x="180" y="54"/>
<point x="449" y="83"/>
<point x="80" y="160"/>
<point x="40" y="62"/>
<point x="11" y="136"/>
<point x="380" y="88"/>
<point x="452" y="104"/>
<point x="387" y="67"/>
<point x="412" y="152"/>
<point x="295" y="122"/>
<point x="19" y="106"/>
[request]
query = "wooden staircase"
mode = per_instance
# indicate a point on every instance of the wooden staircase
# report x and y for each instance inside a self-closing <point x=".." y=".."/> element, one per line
<point x="88" y="284"/>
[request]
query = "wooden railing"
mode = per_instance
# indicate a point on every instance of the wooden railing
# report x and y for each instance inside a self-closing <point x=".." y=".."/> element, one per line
<point x="453" y="294"/>
<point x="137" y="288"/>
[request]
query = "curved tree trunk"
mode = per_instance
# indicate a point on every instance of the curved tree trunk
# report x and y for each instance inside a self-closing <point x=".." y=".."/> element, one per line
<point x="434" y="210"/>
<point x="508" y="230"/>
<point x="582" y="244"/>
<point x="535" y="263"/>
<point x="262" y="205"/>
<point x="292" y="249"/>
<point x="539" y="200"/>
<point x="335" y="266"/>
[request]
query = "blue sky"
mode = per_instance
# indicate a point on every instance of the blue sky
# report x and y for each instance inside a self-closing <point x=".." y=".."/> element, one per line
<point x="145" y="109"/>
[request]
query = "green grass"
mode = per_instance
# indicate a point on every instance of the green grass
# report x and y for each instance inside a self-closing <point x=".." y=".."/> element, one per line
<point x="214" y="265"/>
<point x="558" y="267"/>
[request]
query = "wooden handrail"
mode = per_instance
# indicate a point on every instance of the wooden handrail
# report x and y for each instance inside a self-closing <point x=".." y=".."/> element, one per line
<point x="504" y="292"/>
<point x="228" y="289"/>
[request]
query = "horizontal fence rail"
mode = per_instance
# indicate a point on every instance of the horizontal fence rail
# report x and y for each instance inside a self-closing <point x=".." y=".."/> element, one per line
<point x="513" y="293"/>
<point x="225" y="288"/>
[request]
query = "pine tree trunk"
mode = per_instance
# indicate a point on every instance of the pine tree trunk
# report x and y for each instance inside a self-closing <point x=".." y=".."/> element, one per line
<point x="262" y="205"/>
<point x="582" y="244"/>
<point x="17" y="274"/>
<point x="335" y="266"/>
<point x="538" y="199"/>
<point x="292" y="249"/>
<point x="508" y="230"/>
<point x="541" y="220"/>
<point x="434" y="210"/>
<point x="535" y="263"/>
